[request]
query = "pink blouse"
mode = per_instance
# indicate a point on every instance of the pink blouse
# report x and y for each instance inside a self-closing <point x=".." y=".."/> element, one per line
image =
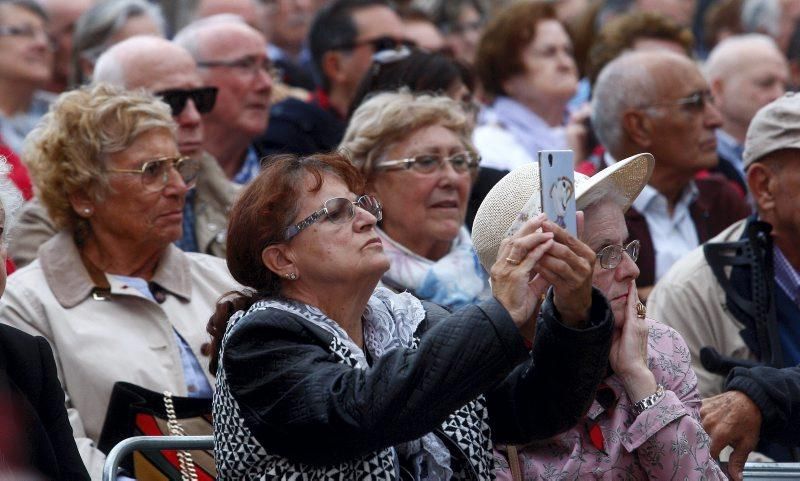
<point x="666" y="441"/>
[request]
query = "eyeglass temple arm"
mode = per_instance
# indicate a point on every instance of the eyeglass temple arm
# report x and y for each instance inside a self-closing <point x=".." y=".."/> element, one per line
<point x="292" y="231"/>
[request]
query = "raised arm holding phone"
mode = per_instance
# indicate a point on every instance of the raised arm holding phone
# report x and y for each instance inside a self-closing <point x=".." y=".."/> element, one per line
<point x="644" y="418"/>
<point x="388" y="384"/>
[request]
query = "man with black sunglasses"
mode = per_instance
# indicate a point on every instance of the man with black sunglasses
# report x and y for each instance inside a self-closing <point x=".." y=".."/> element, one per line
<point x="169" y="71"/>
<point x="344" y="37"/>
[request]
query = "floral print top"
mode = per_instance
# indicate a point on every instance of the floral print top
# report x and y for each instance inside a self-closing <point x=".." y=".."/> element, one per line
<point x="664" y="442"/>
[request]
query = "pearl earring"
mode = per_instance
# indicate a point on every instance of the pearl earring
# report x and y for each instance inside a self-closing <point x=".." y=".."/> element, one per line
<point x="87" y="211"/>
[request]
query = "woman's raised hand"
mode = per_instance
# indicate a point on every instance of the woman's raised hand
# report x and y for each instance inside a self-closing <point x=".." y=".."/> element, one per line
<point x="628" y="355"/>
<point x="568" y="265"/>
<point x="513" y="282"/>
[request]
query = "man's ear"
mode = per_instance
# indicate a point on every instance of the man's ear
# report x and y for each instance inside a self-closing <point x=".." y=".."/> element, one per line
<point x="82" y="204"/>
<point x="638" y="127"/>
<point x="279" y="258"/>
<point x="717" y="86"/>
<point x="333" y="66"/>
<point x="761" y="183"/>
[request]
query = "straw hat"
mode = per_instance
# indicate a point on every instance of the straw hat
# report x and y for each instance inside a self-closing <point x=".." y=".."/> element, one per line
<point x="518" y="195"/>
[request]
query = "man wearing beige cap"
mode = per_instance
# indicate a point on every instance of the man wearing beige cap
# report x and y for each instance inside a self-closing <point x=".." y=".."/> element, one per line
<point x="705" y="307"/>
<point x="740" y="293"/>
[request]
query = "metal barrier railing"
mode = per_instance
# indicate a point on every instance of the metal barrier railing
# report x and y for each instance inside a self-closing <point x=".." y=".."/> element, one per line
<point x="151" y="443"/>
<point x="770" y="471"/>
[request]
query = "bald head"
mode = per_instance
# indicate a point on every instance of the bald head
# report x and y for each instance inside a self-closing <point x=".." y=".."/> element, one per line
<point x="145" y="62"/>
<point x="733" y="52"/>
<point x="746" y="72"/>
<point x="203" y="35"/>
<point x="632" y="80"/>
<point x="156" y="64"/>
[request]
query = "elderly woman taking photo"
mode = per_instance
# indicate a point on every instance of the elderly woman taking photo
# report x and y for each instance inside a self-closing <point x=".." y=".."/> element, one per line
<point x="416" y="156"/>
<point x="644" y="420"/>
<point x="115" y="299"/>
<point x="323" y="376"/>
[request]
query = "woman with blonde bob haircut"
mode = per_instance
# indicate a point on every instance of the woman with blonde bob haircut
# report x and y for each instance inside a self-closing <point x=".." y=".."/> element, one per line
<point x="416" y="156"/>
<point x="112" y="295"/>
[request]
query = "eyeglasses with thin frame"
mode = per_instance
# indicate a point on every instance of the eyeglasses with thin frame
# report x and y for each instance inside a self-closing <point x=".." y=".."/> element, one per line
<point x="155" y="173"/>
<point x="25" y="31"/>
<point x="611" y="256"/>
<point x="203" y="98"/>
<point x="251" y="64"/>
<point x="695" y="101"/>
<point x="428" y="163"/>
<point x="338" y="210"/>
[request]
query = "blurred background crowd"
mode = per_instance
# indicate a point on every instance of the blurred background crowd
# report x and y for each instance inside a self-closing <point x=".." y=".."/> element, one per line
<point x="433" y="102"/>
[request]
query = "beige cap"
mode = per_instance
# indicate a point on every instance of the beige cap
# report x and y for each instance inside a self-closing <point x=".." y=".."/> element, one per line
<point x="518" y="194"/>
<point x="775" y="127"/>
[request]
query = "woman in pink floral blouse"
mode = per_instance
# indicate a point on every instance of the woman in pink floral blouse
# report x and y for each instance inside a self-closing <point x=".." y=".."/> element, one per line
<point x="644" y="421"/>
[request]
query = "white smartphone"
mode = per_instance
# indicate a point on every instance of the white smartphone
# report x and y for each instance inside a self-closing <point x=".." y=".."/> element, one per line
<point x="557" y="178"/>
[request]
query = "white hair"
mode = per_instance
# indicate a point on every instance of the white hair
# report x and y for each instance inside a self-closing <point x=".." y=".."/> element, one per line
<point x="189" y="36"/>
<point x="109" y="69"/>
<point x="726" y="56"/>
<point x="10" y="198"/>
<point x="761" y="16"/>
<point x="603" y="192"/>
<point x="625" y="83"/>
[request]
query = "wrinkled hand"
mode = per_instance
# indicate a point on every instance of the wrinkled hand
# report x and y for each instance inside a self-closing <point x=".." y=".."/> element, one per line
<point x="515" y="285"/>
<point x="732" y="419"/>
<point x="568" y="265"/>
<point x="628" y="355"/>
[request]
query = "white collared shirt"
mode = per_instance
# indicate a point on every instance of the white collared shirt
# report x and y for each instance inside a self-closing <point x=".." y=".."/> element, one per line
<point x="673" y="235"/>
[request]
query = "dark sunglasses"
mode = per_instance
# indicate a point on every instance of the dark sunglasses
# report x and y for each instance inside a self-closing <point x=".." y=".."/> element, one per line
<point x="204" y="99"/>
<point x="380" y="44"/>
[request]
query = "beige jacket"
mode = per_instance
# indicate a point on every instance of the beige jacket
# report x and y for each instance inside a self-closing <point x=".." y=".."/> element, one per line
<point x="212" y="202"/>
<point x="123" y="336"/>
<point x="690" y="300"/>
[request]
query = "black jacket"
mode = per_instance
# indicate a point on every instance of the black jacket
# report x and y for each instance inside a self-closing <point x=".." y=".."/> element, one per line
<point x="28" y="376"/>
<point x="300" y="403"/>
<point x="776" y="392"/>
<point x="300" y="128"/>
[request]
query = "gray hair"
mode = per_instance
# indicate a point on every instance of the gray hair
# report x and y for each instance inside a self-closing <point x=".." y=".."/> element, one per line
<point x="95" y="28"/>
<point x="388" y="117"/>
<point x="30" y="5"/>
<point x="725" y="57"/>
<point x="189" y="36"/>
<point x="761" y="16"/>
<point x="109" y="69"/>
<point x="10" y="198"/>
<point x="625" y="83"/>
<point x="601" y="193"/>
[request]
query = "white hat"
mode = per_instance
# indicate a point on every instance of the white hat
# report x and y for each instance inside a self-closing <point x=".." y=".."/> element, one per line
<point x="518" y="193"/>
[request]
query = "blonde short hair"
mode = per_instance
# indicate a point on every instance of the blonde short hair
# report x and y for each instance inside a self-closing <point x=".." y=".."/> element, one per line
<point x="389" y="117"/>
<point x="68" y="150"/>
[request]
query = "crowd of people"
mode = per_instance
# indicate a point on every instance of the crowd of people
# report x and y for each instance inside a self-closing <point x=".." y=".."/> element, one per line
<point x="320" y="223"/>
